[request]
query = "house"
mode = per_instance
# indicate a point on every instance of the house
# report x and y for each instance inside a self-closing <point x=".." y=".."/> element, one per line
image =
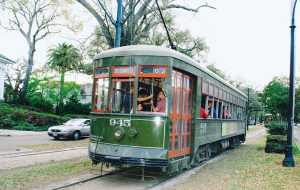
<point x="3" y="61"/>
<point x="86" y="93"/>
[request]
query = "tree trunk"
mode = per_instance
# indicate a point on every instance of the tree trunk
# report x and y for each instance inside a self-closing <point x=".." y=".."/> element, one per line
<point x="28" y="72"/>
<point x="61" y="88"/>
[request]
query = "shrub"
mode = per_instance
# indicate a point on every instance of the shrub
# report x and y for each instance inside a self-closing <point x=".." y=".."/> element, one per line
<point x="41" y="104"/>
<point x="73" y="106"/>
<point x="20" y="118"/>
<point x="275" y="144"/>
<point x="276" y="128"/>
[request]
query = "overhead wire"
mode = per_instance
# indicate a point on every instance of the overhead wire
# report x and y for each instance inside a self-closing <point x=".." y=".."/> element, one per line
<point x="153" y="11"/>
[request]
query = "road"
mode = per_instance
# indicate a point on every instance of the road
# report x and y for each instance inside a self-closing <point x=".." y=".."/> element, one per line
<point x="11" y="138"/>
<point x="297" y="135"/>
<point x="14" y="155"/>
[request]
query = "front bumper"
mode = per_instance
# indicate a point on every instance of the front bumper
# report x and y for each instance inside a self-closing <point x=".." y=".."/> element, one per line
<point x="60" y="134"/>
<point x="128" y="155"/>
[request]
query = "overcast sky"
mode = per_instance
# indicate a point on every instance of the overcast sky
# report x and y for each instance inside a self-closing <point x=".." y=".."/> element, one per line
<point x="247" y="39"/>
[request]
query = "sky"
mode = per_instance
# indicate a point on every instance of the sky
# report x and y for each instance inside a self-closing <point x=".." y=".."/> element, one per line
<point x="247" y="39"/>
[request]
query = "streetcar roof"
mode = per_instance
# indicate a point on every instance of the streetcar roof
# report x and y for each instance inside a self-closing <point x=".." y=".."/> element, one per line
<point x="152" y="50"/>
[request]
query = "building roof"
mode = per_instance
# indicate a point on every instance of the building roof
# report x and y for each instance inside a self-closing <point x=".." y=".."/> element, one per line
<point x="160" y="51"/>
<point x="5" y="60"/>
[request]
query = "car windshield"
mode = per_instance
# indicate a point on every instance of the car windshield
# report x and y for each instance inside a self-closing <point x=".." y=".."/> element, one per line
<point x="74" y="122"/>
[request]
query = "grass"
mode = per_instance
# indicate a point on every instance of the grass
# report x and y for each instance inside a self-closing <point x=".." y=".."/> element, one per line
<point x="247" y="167"/>
<point x="59" y="145"/>
<point x="27" y="178"/>
<point x="296" y="151"/>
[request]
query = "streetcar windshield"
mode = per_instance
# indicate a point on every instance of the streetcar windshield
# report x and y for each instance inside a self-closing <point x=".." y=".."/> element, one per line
<point x="122" y="96"/>
<point x="128" y="93"/>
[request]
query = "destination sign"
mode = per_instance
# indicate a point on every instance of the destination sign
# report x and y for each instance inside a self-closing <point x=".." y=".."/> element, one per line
<point x="153" y="70"/>
<point x="123" y="70"/>
<point x="101" y="72"/>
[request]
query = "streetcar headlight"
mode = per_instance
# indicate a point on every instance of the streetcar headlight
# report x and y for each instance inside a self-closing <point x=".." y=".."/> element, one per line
<point x="118" y="133"/>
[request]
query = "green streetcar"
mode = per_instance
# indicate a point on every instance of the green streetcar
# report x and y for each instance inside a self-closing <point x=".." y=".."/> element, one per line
<point x="146" y="108"/>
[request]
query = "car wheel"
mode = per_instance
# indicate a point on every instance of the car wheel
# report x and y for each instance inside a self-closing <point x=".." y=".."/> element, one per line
<point x="56" y="138"/>
<point x="76" y="135"/>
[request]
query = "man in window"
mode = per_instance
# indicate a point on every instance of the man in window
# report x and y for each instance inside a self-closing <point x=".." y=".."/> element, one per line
<point x="211" y="111"/>
<point x="128" y="100"/>
<point x="161" y="105"/>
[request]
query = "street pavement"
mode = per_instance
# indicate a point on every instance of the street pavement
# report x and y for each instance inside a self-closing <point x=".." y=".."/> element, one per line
<point x="297" y="136"/>
<point x="14" y="155"/>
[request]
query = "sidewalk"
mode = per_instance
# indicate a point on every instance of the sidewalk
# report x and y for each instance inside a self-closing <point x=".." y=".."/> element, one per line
<point x="297" y="136"/>
<point x="7" y="133"/>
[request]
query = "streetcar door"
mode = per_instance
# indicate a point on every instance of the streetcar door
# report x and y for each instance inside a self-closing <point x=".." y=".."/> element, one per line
<point x="180" y="115"/>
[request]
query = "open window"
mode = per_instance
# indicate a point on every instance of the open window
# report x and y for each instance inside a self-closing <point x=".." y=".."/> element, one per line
<point x="151" y="93"/>
<point x="101" y="84"/>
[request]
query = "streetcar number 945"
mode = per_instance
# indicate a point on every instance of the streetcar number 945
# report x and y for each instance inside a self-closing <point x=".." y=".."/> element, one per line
<point x="120" y="122"/>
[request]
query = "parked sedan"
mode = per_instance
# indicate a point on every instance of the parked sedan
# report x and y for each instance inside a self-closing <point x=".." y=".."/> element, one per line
<point x="74" y="128"/>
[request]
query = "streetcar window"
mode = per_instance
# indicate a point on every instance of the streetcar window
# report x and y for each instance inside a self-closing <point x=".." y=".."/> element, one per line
<point x="122" y="94"/>
<point x="151" y="96"/>
<point x="101" y="94"/>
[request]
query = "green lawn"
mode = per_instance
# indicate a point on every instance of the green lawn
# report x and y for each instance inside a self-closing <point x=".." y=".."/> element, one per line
<point x="248" y="168"/>
<point x="28" y="178"/>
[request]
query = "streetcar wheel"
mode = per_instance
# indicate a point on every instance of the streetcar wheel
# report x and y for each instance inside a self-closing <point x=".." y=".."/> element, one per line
<point x="76" y="135"/>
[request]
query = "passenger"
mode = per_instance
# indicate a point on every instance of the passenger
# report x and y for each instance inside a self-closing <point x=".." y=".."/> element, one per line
<point x="143" y="96"/>
<point x="161" y="104"/>
<point x="128" y="100"/>
<point x="143" y="100"/>
<point x="227" y="116"/>
<point x="211" y="111"/>
<point x="139" y="107"/>
<point x="203" y="114"/>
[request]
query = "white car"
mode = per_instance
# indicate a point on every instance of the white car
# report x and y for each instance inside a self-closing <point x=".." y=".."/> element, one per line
<point x="74" y="128"/>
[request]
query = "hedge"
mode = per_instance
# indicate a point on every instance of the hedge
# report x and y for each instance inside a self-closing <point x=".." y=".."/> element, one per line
<point x="276" y="128"/>
<point x="276" y="144"/>
<point x="22" y="119"/>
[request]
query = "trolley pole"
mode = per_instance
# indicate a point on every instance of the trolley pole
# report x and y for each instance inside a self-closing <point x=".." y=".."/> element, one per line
<point x="288" y="159"/>
<point x="118" y="24"/>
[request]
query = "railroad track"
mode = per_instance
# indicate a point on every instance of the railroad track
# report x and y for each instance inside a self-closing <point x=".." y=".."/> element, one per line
<point x="32" y="153"/>
<point x="157" y="178"/>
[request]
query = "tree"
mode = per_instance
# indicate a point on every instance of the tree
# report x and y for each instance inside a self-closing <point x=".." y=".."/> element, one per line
<point x="139" y="21"/>
<point x="275" y="97"/>
<point x="217" y="71"/>
<point x="34" y="19"/>
<point x="14" y="76"/>
<point x="63" y="58"/>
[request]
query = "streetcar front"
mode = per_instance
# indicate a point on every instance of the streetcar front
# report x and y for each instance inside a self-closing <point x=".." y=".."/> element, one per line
<point x="131" y="112"/>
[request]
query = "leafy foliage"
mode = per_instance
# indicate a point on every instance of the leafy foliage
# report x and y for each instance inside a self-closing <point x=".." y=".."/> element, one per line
<point x="35" y="20"/>
<point x="20" y="118"/>
<point x="63" y="58"/>
<point x="277" y="128"/>
<point x="74" y="107"/>
<point x="141" y="24"/>
<point x="275" y="97"/>
<point x="275" y="144"/>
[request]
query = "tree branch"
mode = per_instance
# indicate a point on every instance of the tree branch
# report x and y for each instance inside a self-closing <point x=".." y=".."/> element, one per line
<point x="100" y="20"/>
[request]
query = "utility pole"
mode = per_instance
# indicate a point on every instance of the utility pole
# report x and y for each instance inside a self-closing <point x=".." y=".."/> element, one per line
<point x="117" y="23"/>
<point x="288" y="159"/>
